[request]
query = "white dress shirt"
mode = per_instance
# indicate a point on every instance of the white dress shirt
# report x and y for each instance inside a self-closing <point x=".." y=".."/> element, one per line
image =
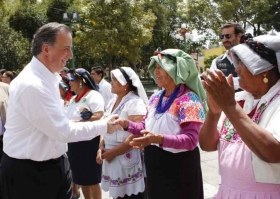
<point x="105" y="90"/>
<point x="214" y="67"/>
<point x="36" y="126"/>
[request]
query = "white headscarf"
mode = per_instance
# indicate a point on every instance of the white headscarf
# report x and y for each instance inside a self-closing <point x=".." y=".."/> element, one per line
<point x="135" y="81"/>
<point x="252" y="60"/>
<point x="255" y="63"/>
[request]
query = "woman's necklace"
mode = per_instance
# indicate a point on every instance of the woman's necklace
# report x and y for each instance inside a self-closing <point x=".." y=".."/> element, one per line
<point x="160" y="108"/>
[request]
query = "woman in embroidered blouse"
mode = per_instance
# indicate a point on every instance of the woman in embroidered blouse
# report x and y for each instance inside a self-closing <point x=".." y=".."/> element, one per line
<point x="86" y="105"/>
<point x="122" y="171"/>
<point x="245" y="128"/>
<point x="171" y="127"/>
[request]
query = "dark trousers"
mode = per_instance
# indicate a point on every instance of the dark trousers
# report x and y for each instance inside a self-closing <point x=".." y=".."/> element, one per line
<point x="33" y="180"/>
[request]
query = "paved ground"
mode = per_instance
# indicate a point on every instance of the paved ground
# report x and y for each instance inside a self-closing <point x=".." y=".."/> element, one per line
<point x="211" y="177"/>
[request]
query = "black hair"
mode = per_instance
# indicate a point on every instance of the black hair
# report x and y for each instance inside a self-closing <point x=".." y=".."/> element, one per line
<point x="99" y="70"/>
<point x="237" y="27"/>
<point x="11" y="74"/>
<point x="128" y="80"/>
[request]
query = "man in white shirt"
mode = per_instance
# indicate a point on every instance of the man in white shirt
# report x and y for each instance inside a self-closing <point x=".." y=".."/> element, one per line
<point x="34" y="164"/>
<point x="97" y="73"/>
<point x="231" y="35"/>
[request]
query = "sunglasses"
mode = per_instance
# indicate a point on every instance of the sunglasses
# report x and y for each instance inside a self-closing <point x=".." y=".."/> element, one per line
<point x="226" y="36"/>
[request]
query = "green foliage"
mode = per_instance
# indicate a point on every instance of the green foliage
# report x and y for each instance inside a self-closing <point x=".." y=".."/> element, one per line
<point x="169" y="17"/>
<point x="14" y="49"/>
<point x="258" y="15"/>
<point x="27" y="20"/>
<point x="56" y="8"/>
<point x="208" y="61"/>
<point x="114" y="31"/>
<point x="126" y="32"/>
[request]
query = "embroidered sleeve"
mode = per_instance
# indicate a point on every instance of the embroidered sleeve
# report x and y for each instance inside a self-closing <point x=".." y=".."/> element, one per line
<point x="190" y="109"/>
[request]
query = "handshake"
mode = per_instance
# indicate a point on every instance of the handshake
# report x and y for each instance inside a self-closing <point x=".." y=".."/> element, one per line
<point x="112" y="125"/>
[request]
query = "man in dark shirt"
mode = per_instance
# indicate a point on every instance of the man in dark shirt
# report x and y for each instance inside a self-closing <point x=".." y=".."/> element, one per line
<point x="231" y="35"/>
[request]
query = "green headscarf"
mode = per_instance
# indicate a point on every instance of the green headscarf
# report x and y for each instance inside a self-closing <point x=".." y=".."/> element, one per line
<point x="182" y="70"/>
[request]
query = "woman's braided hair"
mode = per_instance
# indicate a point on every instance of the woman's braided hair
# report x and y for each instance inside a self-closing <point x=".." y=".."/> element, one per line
<point x="260" y="49"/>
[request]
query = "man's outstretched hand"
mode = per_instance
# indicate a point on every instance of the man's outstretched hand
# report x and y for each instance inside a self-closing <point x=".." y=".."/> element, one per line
<point x="111" y="126"/>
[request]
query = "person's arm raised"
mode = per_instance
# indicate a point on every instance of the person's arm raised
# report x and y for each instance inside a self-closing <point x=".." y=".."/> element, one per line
<point x="260" y="141"/>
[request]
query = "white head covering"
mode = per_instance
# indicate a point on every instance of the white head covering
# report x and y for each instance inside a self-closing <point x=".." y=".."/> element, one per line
<point x="135" y="81"/>
<point x="252" y="60"/>
<point x="255" y="63"/>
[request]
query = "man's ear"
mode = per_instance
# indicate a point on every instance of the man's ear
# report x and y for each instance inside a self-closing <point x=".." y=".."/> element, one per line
<point x="45" y="49"/>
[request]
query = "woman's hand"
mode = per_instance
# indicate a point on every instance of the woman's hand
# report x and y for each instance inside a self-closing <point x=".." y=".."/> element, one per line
<point x="220" y="90"/>
<point x="111" y="127"/>
<point x="213" y="106"/>
<point x="108" y="155"/>
<point x="122" y="122"/>
<point x="99" y="156"/>
<point x="147" y="139"/>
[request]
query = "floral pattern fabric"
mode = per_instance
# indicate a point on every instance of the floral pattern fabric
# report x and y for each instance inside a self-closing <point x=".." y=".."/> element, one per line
<point x="187" y="107"/>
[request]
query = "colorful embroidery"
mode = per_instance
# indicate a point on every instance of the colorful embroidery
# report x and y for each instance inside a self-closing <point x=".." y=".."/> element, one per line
<point x="229" y="133"/>
<point x="187" y="107"/>
<point x="120" y="182"/>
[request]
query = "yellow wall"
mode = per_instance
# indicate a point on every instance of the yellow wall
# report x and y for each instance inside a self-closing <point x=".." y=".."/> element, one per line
<point x="214" y="51"/>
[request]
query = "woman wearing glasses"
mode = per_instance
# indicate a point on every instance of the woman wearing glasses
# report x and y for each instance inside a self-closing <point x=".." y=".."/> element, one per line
<point x="171" y="128"/>
<point x="86" y="105"/>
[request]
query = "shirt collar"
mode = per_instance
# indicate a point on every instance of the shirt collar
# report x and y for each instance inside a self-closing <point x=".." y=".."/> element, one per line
<point x="226" y="55"/>
<point x="101" y="82"/>
<point x="44" y="71"/>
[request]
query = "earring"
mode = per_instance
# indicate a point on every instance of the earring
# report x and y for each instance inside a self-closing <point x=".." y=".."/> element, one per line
<point x="81" y="85"/>
<point x="125" y="89"/>
<point x="265" y="80"/>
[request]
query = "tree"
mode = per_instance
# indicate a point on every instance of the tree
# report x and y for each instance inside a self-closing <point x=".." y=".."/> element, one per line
<point x="258" y="15"/>
<point x="169" y="17"/>
<point x="27" y="20"/>
<point x="13" y="49"/>
<point x="114" y="30"/>
<point x="56" y="8"/>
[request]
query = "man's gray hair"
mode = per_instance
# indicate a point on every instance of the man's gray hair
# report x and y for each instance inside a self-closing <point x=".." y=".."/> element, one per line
<point x="46" y="35"/>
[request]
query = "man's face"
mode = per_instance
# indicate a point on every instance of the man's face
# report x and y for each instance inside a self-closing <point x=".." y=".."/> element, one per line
<point x="60" y="52"/>
<point x="233" y="40"/>
<point x="97" y="78"/>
